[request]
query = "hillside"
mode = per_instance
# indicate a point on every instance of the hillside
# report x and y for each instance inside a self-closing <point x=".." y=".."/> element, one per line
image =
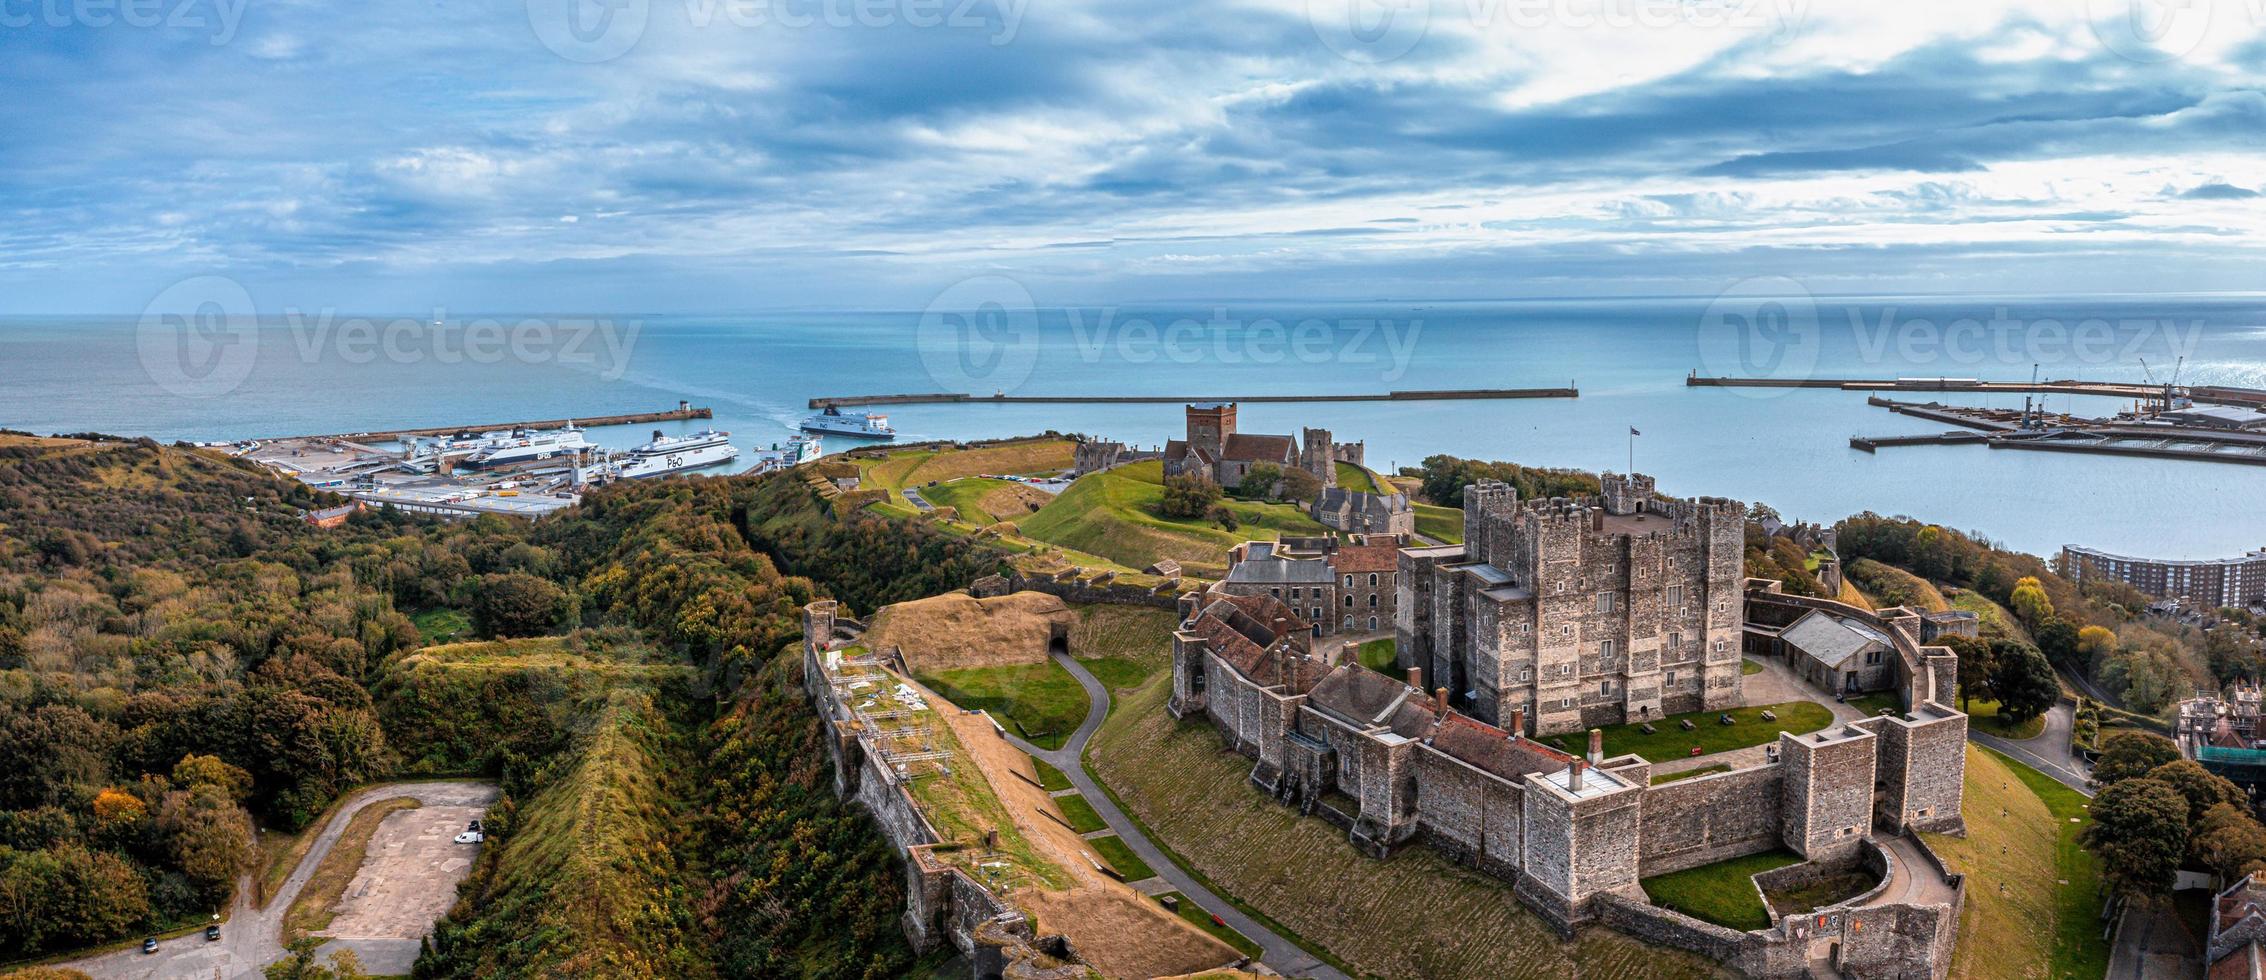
<point x="472" y="707"/>
<point x="1114" y="514"/>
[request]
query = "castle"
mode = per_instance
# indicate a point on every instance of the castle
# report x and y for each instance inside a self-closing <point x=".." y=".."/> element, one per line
<point x="1580" y="612"/>
<point x="1215" y="449"/>
<point x="1393" y="764"/>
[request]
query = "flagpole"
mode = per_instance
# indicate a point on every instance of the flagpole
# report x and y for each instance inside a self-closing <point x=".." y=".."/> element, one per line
<point x="1632" y="451"/>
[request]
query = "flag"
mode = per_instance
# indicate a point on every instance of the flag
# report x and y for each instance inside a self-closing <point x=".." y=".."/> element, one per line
<point x="1633" y="431"/>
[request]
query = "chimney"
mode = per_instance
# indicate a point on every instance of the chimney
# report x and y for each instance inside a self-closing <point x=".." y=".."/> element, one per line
<point x="1518" y="722"/>
<point x="1439" y="699"/>
<point x="1596" y="746"/>
<point x="1416" y="678"/>
<point x="1573" y="775"/>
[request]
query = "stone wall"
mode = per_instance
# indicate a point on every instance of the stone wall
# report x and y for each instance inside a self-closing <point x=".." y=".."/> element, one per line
<point x="1084" y="589"/>
<point x="1470" y="815"/>
<point x="1827" y="792"/>
<point x="1706" y="819"/>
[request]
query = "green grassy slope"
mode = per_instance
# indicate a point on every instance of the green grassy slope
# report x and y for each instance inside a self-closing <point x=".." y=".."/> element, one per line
<point x="1115" y="515"/>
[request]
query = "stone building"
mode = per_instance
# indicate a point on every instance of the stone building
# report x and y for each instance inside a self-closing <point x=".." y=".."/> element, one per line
<point x="1215" y="448"/>
<point x="1354" y="511"/>
<point x="1575" y="613"/>
<point x="1336" y="585"/>
<point x="1393" y="765"/>
<point x="1838" y="653"/>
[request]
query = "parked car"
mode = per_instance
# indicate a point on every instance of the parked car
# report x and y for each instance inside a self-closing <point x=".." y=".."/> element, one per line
<point x="149" y="945"/>
<point x="471" y="837"/>
<point x="212" y="933"/>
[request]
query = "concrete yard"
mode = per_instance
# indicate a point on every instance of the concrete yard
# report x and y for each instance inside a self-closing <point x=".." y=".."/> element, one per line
<point x="408" y="879"/>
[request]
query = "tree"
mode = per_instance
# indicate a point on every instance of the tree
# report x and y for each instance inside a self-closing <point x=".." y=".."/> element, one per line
<point x="2058" y="640"/>
<point x="2095" y="642"/>
<point x="209" y="770"/>
<point x="1301" y="486"/>
<point x="2139" y="832"/>
<point x="1260" y="482"/>
<point x="2202" y="789"/>
<point x="1975" y="663"/>
<point x="2229" y="841"/>
<point x="1224" y="516"/>
<point x="2128" y="755"/>
<point x="210" y="837"/>
<point x="300" y="963"/>
<point x="2022" y="681"/>
<point x="517" y="604"/>
<point x="1188" y="495"/>
<point x="2030" y="603"/>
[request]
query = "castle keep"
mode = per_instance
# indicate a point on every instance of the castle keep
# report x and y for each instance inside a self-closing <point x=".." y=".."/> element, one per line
<point x="1215" y="448"/>
<point x="1596" y="586"/>
<point x="1579" y="613"/>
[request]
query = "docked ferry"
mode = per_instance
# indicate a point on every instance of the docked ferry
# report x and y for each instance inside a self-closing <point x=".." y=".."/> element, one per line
<point x="671" y="454"/>
<point x="527" y="446"/>
<point x="833" y="423"/>
<point x="795" y="452"/>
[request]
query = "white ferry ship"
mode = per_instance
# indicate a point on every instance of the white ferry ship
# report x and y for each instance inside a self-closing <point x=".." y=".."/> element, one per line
<point x="526" y="446"/>
<point x="832" y="422"/>
<point x="671" y="454"/>
<point x="796" y="452"/>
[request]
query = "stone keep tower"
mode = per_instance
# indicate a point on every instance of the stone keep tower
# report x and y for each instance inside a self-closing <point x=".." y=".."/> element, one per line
<point x="1319" y="456"/>
<point x="1826" y="797"/>
<point x="1209" y="425"/>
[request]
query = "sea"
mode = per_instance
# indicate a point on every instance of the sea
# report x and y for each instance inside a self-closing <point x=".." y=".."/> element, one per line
<point x="220" y="377"/>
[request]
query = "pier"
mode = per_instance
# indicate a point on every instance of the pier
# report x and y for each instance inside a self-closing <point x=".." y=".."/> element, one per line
<point x="950" y="398"/>
<point x="683" y="412"/>
<point x="2207" y="394"/>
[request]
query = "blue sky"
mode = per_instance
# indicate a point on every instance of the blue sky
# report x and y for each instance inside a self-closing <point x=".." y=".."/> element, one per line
<point x="715" y="155"/>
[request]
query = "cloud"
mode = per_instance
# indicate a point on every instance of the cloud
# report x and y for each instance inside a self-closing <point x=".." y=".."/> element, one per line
<point x="2218" y="192"/>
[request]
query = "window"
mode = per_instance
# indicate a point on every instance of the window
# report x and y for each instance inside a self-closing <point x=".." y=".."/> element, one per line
<point x="1372" y="580"/>
<point x="1277" y="590"/>
<point x="1719" y="646"/>
<point x="1671" y="679"/>
<point x="1605" y="602"/>
<point x="1675" y="595"/>
<point x="1566" y="629"/>
<point x="1872" y="657"/>
<point x="1526" y="674"/>
<point x="1675" y="640"/>
<point x="1565" y="702"/>
<point x="1525" y="628"/>
<point x="1372" y="622"/>
<point x="1565" y="669"/>
<point x="1296" y="593"/>
<point x="1605" y="649"/>
<point x="1372" y="600"/>
<point x="1349" y="581"/>
<point x="1349" y="600"/>
<point x="1314" y="614"/>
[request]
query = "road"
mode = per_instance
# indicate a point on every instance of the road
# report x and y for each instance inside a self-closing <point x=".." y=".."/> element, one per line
<point x="1277" y="951"/>
<point x="252" y="937"/>
<point x="2049" y="752"/>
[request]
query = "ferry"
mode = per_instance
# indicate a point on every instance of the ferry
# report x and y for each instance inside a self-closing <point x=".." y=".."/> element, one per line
<point x="796" y="452"/>
<point x="833" y="422"/>
<point x="527" y="446"/>
<point x="670" y="454"/>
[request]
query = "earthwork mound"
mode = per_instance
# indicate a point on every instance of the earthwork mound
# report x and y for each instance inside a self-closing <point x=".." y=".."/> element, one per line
<point x="958" y="630"/>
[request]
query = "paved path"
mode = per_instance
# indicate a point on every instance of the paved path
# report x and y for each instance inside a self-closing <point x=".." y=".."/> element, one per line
<point x="252" y="937"/>
<point x="917" y="500"/>
<point x="2048" y="753"/>
<point x="2151" y="943"/>
<point x="1775" y="684"/>
<point x="1911" y="879"/>
<point x="1277" y="952"/>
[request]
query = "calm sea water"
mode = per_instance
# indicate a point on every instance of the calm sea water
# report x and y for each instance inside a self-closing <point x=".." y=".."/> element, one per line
<point x="1629" y="358"/>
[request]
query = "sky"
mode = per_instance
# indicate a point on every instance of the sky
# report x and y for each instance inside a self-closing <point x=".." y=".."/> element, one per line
<point x="724" y="155"/>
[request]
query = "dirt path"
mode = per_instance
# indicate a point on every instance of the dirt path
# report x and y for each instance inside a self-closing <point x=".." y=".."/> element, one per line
<point x="1115" y="929"/>
<point x="1277" y="951"/>
<point x="252" y="937"/>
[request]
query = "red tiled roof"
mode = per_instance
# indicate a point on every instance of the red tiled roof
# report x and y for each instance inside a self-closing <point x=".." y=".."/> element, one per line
<point x="1358" y="558"/>
<point x="1490" y="749"/>
<point x="1253" y="448"/>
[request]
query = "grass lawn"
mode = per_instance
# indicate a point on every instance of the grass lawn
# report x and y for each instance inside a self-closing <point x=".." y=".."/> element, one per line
<point x="317" y="903"/>
<point x="1689" y="774"/>
<point x="1723" y="892"/>
<point x="1985" y="717"/>
<point x="1748" y="668"/>
<point x="1123" y="645"/>
<point x="1357" y="479"/>
<point x="1992" y="617"/>
<point x="440" y="626"/>
<point x="966" y="497"/>
<point x="1299" y="874"/>
<point x="1080" y="814"/>
<point x="1042" y="702"/>
<point x="1837" y="887"/>
<point x="1050" y="779"/>
<point x="2021" y="920"/>
<point x="1201" y="919"/>
<point x="1378" y="655"/>
<point x="1115" y="515"/>
<point x="1877" y="702"/>
<point x="1747" y="728"/>
<point x="1118" y="855"/>
<point x="1439" y="523"/>
<point x="1032" y="457"/>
